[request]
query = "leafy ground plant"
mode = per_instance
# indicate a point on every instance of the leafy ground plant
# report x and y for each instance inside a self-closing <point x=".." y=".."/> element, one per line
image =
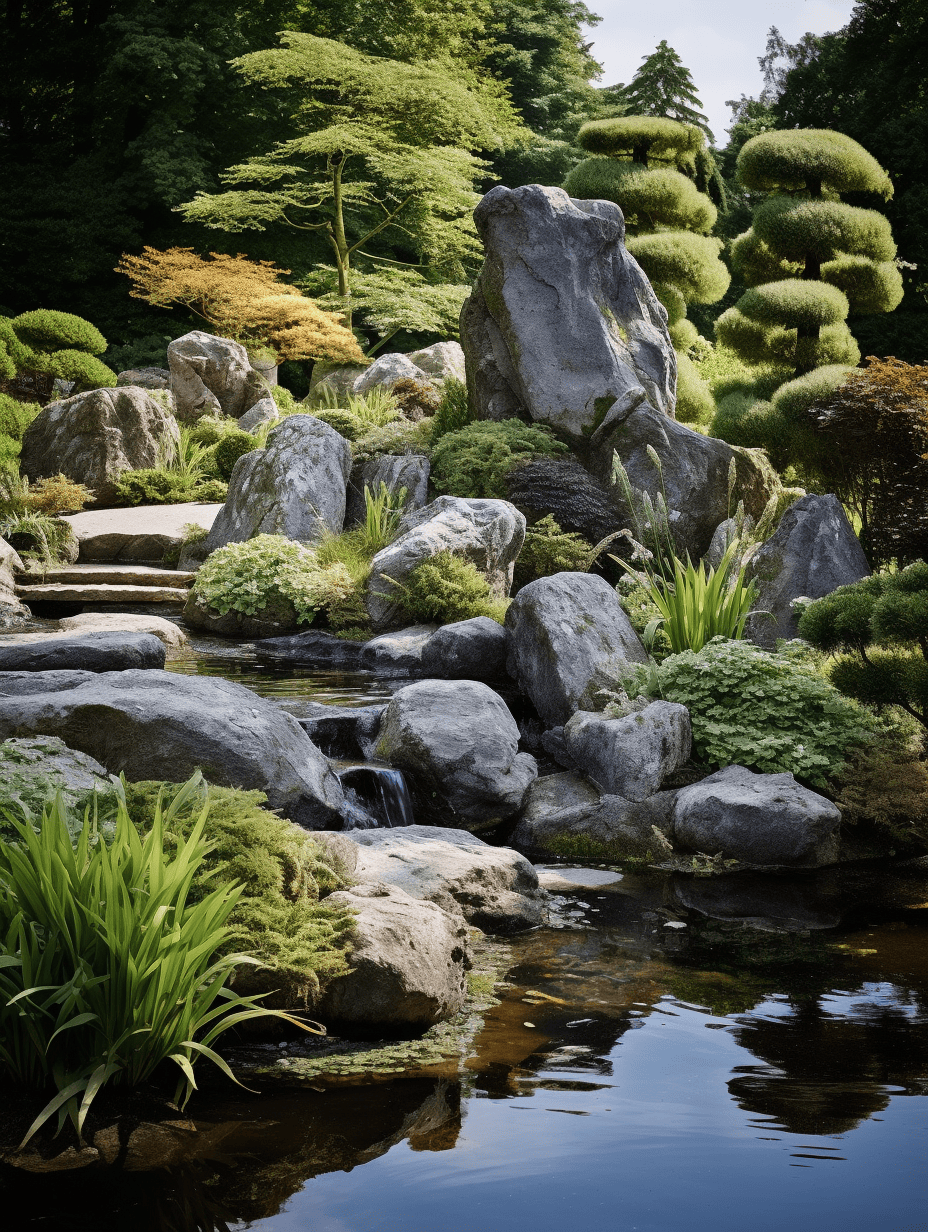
<point x="771" y="712"/>
<point x="107" y="969"/>
<point x="448" y="588"/>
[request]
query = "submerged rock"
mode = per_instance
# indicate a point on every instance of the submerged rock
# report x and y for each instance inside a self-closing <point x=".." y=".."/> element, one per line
<point x="161" y="725"/>
<point x="459" y="746"/>
<point x="631" y="756"/>
<point x="813" y="552"/>
<point x="494" y="888"/>
<point x="569" y="637"/>
<point x="408" y="963"/>
<point x="767" y="820"/>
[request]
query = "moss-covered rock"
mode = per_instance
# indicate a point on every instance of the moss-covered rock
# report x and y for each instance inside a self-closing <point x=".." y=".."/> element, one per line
<point x="33" y="770"/>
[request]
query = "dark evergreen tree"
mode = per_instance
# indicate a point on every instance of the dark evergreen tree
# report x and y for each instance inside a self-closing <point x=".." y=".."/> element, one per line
<point x="663" y="86"/>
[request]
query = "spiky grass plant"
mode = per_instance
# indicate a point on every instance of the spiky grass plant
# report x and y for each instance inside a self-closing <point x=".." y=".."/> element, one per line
<point x="107" y="968"/>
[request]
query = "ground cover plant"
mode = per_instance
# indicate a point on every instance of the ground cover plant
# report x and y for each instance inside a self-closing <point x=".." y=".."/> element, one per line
<point x="447" y="588"/>
<point x="475" y="460"/>
<point x="107" y="968"/>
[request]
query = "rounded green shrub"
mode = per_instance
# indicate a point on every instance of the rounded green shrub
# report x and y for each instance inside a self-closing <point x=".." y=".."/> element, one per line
<point x="791" y="159"/>
<point x="548" y="550"/>
<point x="695" y="403"/>
<point x="454" y="411"/>
<point x="20" y="355"/>
<point x="687" y="261"/>
<point x="344" y="423"/>
<point x="47" y="330"/>
<point x="755" y="262"/>
<point x="794" y="303"/>
<point x="229" y="449"/>
<point x="85" y="371"/>
<point x="771" y="712"/>
<point x="446" y="588"/>
<point x="870" y="286"/>
<point x="474" y="461"/>
<point x="650" y="136"/>
<point x="824" y="230"/>
<point x="15" y="416"/>
<point x="647" y="195"/>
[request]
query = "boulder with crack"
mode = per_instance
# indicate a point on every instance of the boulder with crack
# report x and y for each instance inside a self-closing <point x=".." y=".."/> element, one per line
<point x="160" y="725"/>
<point x="295" y="486"/>
<point x="569" y="637"/>
<point x="630" y="756"/>
<point x="212" y="376"/>
<point x="458" y="745"/>
<point x="95" y="437"/>
<point x="489" y="533"/>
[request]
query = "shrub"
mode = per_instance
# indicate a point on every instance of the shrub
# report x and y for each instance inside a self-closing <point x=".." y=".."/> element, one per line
<point x="769" y="711"/>
<point x="15" y="417"/>
<point x="475" y="460"/>
<point x="279" y="917"/>
<point x="80" y="370"/>
<point x="47" y="330"/>
<point x="547" y="550"/>
<point x="158" y="486"/>
<point x="285" y="401"/>
<point x="882" y="625"/>
<point x="58" y="494"/>
<point x="344" y="423"/>
<point x="36" y="535"/>
<point x="249" y="577"/>
<point x="230" y="448"/>
<point x="416" y="399"/>
<point x="454" y="411"/>
<point x="108" y="971"/>
<point x="695" y="404"/>
<point x="211" y="429"/>
<point x="446" y="588"/>
<point x="886" y="784"/>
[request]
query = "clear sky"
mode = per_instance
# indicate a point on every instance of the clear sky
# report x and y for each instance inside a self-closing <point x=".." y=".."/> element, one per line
<point x="719" y="41"/>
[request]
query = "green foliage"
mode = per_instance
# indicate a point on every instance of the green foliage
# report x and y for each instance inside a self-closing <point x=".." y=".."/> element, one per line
<point x="475" y="460"/>
<point x="387" y="300"/>
<point x="687" y="261"/>
<point x="160" y="486"/>
<point x="659" y="196"/>
<point x="35" y="536"/>
<point x="663" y="86"/>
<point x="284" y="400"/>
<point x="810" y="158"/>
<point x="107" y="969"/>
<point x="547" y="550"/>
<point x="446" y="588"/>
<point x="249" y="577"/>
<point x="771" y="712"/>
<point x="230" y="448"/>
<point x="695" y="404"/>
<point x="84" y="371"/>
<point x="382" y="513"/>
<point x="886" y="785"/>
<point x="33" y="770"/>
<point x="47" y="330"/>
<point x="823" y="230"/>
<point x="882" y="624"/>
<point x="280" y="917"/>
<point x="659" y="138"/>
<point x="454" y="411"/>
<point x="15" y="416"/>
<point x="794" y="303"/>
<point x="344" y="423"/>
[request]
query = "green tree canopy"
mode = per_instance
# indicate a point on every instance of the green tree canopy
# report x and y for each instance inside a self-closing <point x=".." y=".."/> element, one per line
<point x="663" y="86"/>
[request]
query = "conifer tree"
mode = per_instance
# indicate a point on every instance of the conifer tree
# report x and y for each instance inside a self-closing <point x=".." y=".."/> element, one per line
<point x="663" y="86"/>
<point x="647" y="165"/>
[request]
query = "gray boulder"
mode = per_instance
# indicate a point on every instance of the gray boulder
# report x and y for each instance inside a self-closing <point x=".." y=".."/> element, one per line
<point x="339" y="378"/>
<point x="314" y="648"/>
<point x="161" y="725"/>
<point x="212" y="376"/>
<point x="385" y="371"/>
<point x="723" y="537"/>
<point x="459" y="748"/>
<point x="631" y="756"/>
<point x="440" y="361"/>
<point x="409" y="471"/>
<point x="166" y="631"/>
<point x="490" y="533"/>
<point x="96" y="437"/>
<point x="293" y="487"/>
<point x="494" y="888"/>
<point x="567" y="815"/>
<point x="145" y="378"/>
<point x="13" y="613"/>
<point x="568" y="638"/>
<point x="694" y="473"/>
<point x="107" y="651"/>
<point x="343" y="732"/>
<point x="263" y="412"/>
<point x="813" y="552"/>
<point x="397" y="652"/>
<point x="408" y="963"/>
<point x="572" y="496"/>
<point x="562" y="325"/>
<point x="767" y="820"/>
<point x="32" y="771"/>
<point x="466" y="650"/>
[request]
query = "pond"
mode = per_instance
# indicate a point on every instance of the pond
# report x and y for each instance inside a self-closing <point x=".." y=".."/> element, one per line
<point x="684" y="1054"/>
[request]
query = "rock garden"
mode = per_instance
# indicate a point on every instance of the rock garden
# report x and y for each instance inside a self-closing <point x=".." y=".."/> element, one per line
<point x="616" y="615"/>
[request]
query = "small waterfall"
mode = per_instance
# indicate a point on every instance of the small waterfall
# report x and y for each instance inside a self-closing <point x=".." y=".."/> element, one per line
<point x="377" y="796"/>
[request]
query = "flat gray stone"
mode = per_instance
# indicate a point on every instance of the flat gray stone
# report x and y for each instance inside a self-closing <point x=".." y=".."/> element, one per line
<point x="91" y="652"/>
<point x="137" y="535"/>
<point x="399" y="652"/>
<point x="558" y="879"/>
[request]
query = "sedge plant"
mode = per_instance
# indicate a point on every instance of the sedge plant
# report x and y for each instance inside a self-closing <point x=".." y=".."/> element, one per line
<point x="107" y="968"/>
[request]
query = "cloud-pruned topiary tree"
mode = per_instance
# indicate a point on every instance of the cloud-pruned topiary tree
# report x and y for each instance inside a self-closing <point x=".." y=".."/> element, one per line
<point x="647" y="165"/>
<point x="38" y="347"/>
<point x="809" y="257"/>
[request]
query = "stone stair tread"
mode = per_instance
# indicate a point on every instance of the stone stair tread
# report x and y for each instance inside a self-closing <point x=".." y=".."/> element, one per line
<point x="101" y="593"/>
<point x="108" y="575"/>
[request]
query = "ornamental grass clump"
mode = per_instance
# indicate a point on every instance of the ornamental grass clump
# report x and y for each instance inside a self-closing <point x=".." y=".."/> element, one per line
<point x="107" y="968"/>
<point x="770" y="711"/>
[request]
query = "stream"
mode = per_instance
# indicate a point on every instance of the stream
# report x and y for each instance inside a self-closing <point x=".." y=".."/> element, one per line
<point x="683" y="1054"/>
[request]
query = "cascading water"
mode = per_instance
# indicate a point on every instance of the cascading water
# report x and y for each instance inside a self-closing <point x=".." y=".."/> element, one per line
<point x="376" y="796"/>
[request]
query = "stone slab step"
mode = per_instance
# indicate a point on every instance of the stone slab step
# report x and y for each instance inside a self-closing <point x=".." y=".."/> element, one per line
<point x="140" y="534"/>
<point x="109" y="575"/>
<point x="100" y="593"/>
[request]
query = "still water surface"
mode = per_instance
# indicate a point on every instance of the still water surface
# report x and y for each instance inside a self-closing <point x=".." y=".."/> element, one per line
<point x="691" y="1056"/>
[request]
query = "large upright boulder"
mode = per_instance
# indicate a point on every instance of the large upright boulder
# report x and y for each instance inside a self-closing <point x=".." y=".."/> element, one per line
<point x="569" y="637"/>
<point x="212" y="376"/>
<point x="631" y="756"/>
<point x="294" y="487"/>
<point x="458" y="745"/>
<point x="160" y="725"/>
<point x="562" y="326"/>
<point x="97" y="436"/>
<point x="397" y="471"/>
<point x="490" y="533"/>
<point x="12" y="612"/>
<point x="813" y="552"/>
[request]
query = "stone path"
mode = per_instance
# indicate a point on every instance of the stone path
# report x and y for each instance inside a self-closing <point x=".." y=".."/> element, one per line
<point x="138" y="535"/>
